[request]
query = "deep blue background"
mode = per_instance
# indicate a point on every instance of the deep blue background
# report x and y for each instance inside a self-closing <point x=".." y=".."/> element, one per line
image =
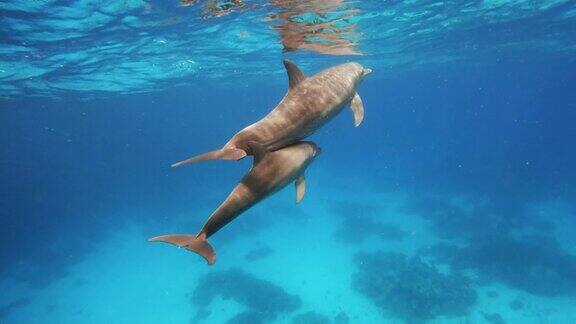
<point x="67" y="167"/>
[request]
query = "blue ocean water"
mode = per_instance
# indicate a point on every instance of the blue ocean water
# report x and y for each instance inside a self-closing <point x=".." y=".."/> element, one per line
<point x="453" y="202"/>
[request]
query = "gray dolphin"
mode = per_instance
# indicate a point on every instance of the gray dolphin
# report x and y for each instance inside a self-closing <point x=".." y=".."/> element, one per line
<point x="309" y="103"/>
<point x="271" y="172"/>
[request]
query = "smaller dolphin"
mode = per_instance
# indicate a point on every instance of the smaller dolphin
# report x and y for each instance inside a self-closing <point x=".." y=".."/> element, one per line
<point x="271" y="172"/>
<point x="309" y="103"/>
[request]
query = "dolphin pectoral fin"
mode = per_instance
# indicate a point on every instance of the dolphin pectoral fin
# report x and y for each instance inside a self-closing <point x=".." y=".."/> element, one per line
<point x="300" y="188"/>
<point x="197" y="244"/>
<point x="295" y="75"/>
<point x="358" y="109"/>
<point x="222" y="154"/>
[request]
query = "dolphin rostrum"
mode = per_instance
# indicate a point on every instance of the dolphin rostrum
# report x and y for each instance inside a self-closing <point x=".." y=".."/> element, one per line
<point x="309" y="103"/>
<point x="271" y="172"/>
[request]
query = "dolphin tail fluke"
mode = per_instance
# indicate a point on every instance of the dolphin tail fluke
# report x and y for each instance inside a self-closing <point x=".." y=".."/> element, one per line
<point x="197" y="244"/>
<point x="222" y="154"/>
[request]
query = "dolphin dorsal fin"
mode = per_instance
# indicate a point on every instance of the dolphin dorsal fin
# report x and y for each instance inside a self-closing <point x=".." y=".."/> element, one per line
<point x="258" y="150"/>
<point x="295" y="75"/>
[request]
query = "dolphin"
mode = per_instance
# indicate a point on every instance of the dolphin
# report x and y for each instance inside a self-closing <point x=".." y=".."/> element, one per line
<point x="270" y="172"/>
<point x="309" y="103"/>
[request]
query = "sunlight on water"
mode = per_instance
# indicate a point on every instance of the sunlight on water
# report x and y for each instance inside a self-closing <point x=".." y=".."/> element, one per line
<point x="127" y="46"/>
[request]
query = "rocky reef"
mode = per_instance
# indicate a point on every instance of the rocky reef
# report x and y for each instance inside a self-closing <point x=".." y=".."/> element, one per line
<point x="410" y="289"/>
<point x="263" y="299"/>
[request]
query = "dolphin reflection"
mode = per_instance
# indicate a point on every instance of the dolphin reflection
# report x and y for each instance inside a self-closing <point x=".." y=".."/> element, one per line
<point x="323" y="26"/>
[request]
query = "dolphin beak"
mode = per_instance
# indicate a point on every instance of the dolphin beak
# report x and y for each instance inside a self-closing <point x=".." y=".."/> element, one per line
<point x="317" y="151"/>
<point x="365" y="72"/>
